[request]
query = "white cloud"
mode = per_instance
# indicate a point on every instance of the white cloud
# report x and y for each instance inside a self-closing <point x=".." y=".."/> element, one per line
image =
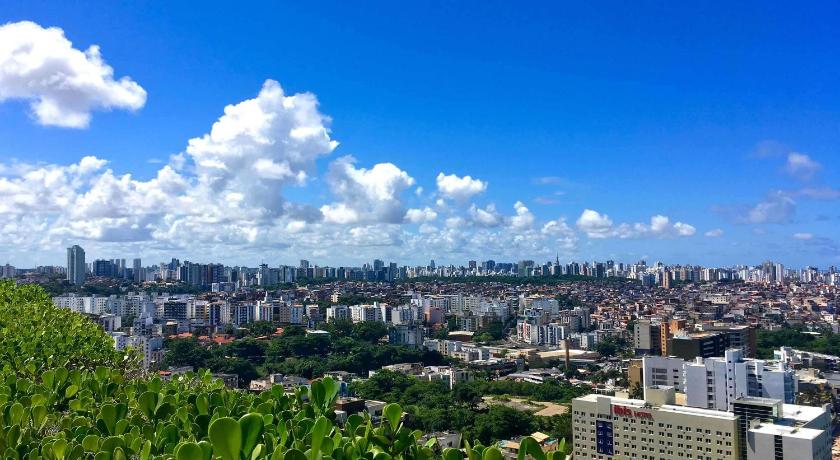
<point x="714" y="233"/>
<point x="523" y="218"/>
<point x="418" y="216"/>
<point x="459" y="188"/>
<point x="368" y="195"/>
<point x="63" y="84"/>
<point x="684" y="229"/>
<point x="598" y="226"/>
<point x="801" y="166"/>
<point x="776" y="208"/>
<point x="225" y="195"/>
<point x="564" y="236"/>
<point x="259" y="146"/>
<point x="595" y="224"/>
<point x="487" y="216"/>
<point x="803" y="236"/>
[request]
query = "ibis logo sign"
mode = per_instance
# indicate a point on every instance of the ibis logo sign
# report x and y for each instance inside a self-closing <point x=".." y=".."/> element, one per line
<point x="623" y="411"/>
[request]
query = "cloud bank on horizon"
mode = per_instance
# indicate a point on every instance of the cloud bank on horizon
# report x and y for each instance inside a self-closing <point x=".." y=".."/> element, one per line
<point x="227" y="189"/>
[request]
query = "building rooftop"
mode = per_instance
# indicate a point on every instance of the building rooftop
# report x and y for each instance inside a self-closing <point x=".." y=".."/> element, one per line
<point x="801" y="414"/>
<point x="782" y="430"/>
<point x="641" y="403"/>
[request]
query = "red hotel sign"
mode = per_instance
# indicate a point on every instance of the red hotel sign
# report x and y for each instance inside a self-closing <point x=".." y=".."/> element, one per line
<point x="622" y="411"/>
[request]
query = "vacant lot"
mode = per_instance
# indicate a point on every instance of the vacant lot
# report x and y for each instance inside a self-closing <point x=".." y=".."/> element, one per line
<point x="538" y="408"/>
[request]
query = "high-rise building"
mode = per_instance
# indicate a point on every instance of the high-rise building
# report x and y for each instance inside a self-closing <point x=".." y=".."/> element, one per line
<point x="667" y="330"/>
<point x="739" y="336"/>
<point x="698" y="345"/>
<point x="714" y="383"/>
<point x="104" y="268"/>
<point x="137" y="268"/>
<point x="646" y="338"/>
<point x="779" y="270"/>
<point x="76" y="265"/>
<point x="7" y="271"/>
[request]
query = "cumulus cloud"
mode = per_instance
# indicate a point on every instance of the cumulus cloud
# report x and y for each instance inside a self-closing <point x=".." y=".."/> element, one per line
<point x="368" y="195"/>
<point x="563" y="236"/>
<point x="714" y="233"/>
<point x="226" y="193"/>
<point x="261" y="145"/>
<point x="62" y="84"/>
<point x="595" y="224"/>
<point x="419" y="216"/>
<point x="487" y="216"/>
<point x="803" y="236"/>
<point x="226" y="188"/>
<point x="598" y="226"/>
<point x="523" y="218"/>
<point x="776" y="208"/>
<point x="801" y="166"/>
<point x="459" y="188"/>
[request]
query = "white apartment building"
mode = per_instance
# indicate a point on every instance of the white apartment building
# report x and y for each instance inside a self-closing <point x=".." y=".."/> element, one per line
<point x="338" y="312"/>
<point x="92" y="305"/>
<point x="290" y="314"/>
<point x="243" y="313"/>
<point x="218" y="313"/>
<point x="714" y="383"/>
<point x="661" y="371"/>
<point x="150" y="347"/>
<point x="451" y="376"/>
<point x="359" y="313"/>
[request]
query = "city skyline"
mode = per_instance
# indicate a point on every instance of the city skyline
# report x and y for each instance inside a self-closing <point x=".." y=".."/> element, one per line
<point x="137" y="262"/>
<point x="520" y="136"/>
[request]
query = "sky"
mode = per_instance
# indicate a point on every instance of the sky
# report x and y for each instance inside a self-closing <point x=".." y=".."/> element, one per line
<point x="247" y="133"/>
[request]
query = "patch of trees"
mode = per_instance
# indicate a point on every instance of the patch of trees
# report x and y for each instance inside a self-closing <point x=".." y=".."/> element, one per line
<point x="349" y="347"/>
<point x="827" y="342"/>
<point x="432" y="406"/>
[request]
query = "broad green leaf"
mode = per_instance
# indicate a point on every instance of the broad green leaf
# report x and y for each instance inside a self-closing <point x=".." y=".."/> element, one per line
<point x="492" y="453"/>
<point x="393" y="413"/>
<point x="252" y="428"/>
<point x="452" y="454"/>
<point x="190" y="451"/>
<point x="226" y="437"/>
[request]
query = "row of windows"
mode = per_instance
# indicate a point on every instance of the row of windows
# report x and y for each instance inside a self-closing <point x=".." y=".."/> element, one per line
<point x="582" y="453"/>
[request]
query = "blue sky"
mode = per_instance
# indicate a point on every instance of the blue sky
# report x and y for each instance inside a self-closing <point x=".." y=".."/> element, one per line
<point x="631" y="111"/>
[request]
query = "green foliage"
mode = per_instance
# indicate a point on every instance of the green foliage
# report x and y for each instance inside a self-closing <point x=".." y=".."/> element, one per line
<point x="370" y="331"/>
<point x="35" y="335"/>
<point x="312" y="355"/>
<point x="433" y="407"/>
<point x="768" y="341"/>
<point x="610" y="346"/>
<point x="494" y="331"/>
<point x="100" y="415"/>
